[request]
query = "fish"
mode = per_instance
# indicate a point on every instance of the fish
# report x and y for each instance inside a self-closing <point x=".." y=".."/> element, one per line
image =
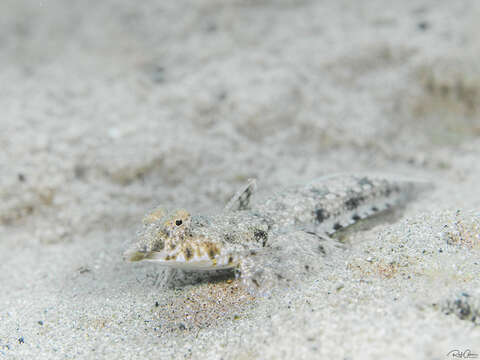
<point x="249" y="237"/>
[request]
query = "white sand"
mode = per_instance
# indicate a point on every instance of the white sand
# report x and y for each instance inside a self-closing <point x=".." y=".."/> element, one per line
<point x="109" y="108"/>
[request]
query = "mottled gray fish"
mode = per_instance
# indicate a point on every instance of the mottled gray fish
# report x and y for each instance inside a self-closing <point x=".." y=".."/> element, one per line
<point x="244" y="236"/>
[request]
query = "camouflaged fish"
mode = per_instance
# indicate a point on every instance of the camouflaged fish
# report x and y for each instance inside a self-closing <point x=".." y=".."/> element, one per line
<point x="246" y="236"/>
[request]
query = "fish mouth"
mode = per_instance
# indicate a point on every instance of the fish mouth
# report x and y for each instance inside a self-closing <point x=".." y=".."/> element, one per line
<point x="162" y="257"/>
<point x="133" y="255"/>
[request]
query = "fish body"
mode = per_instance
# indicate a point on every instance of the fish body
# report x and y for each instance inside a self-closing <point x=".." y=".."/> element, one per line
<point x="244" y="232"/>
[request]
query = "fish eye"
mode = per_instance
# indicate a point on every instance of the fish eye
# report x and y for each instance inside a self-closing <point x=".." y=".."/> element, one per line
<point x="178" y="222"/>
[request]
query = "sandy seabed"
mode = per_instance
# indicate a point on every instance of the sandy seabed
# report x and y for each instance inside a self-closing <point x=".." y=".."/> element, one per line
<point x="110" y="108"/>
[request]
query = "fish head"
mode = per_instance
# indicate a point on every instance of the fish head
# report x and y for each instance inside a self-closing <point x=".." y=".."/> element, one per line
<point x="168" y="239"/>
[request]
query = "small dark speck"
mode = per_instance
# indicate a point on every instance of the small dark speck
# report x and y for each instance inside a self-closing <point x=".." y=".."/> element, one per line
<point x="423" y="25"/>
<point x="356" y="217"/>
<point x="178" y="222"/>
<point x="222" y="96"/>
<point x="321" y="250"/>
<point x="440" y="250"/>
<point x="321" y="215"/>
<point x="21" y="177"/>
<point x="156" y="304"/>
<point x="465" y="312"/>
<point x="374" y="209"/>
<point x="228" y="237"/>
<point x="79" y="171"/>
<point x="40" y="322"/>
<point x="21" y="341"/>
<point x="157" y="74"/>
<point x="337" y="226"/>
<point x="212" y="27"/>
<point x="465" y="294"/>
<point x="182" y="327"/>
<point x="83" y="269"/>
<point x="353" y="202"/>
<point x="261" y="235"/>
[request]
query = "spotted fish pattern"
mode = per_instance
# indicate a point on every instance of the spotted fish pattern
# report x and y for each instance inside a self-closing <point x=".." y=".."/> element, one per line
<point x="245" y="234"/>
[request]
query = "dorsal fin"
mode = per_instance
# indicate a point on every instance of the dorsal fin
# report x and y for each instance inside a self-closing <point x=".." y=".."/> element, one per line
<point x="241" y="200"/>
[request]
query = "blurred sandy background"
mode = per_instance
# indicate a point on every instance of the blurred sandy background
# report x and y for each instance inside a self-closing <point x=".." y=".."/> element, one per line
<point x="110" y="108"/>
